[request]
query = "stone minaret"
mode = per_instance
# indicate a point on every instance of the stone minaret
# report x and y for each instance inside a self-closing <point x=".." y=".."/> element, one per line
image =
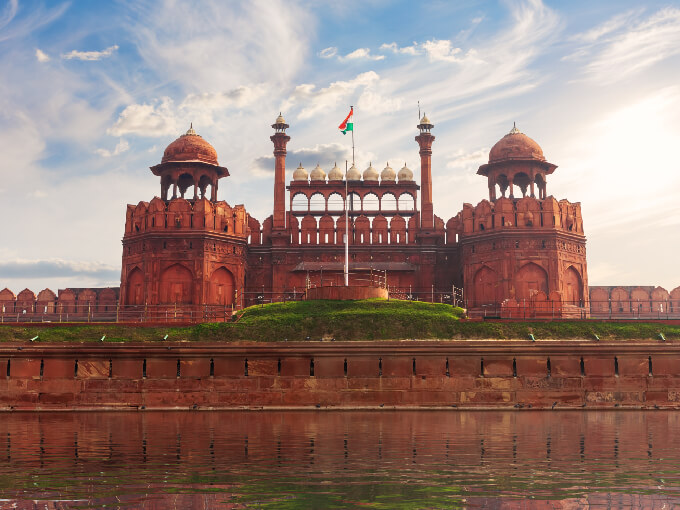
<point x="280" y="139"/>
<point x="425" y="139"/>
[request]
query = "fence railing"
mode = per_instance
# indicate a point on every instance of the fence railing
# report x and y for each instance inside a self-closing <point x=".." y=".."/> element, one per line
<point x="183" y="313"/>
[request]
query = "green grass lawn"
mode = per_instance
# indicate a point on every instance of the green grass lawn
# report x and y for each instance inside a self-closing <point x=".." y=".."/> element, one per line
<point x="371" y="319"/>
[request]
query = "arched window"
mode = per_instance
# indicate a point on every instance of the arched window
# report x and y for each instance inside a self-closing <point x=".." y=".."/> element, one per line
<point x="371" y="202"/>
<point x="406" y="202"/>
<point x="354" y="202"/>
<point x="388" y="202"/>
<point x="335" y="202"/>
<point x="300" y="202"/>
<point x="317" y="202"/>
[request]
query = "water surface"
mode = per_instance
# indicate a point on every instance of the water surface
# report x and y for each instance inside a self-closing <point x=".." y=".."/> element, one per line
<point x="318" y="459"/>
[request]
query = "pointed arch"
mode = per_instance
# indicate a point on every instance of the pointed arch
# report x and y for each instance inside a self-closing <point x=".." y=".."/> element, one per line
<point x="134" y="294"/>
<point x="176" y="285"/>
<point x="221" y="291"/>
<point x="530" y="279"/>
<point x="573" y="287"/>
<point x="485" y="286"/>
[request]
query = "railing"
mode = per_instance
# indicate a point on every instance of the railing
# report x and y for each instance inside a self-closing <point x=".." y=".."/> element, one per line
<point x="180" y="313"/>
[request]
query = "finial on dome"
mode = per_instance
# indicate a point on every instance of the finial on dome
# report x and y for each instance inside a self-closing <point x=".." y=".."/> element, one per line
<point x="514" y="130"/>
<point x="191" y="129"/>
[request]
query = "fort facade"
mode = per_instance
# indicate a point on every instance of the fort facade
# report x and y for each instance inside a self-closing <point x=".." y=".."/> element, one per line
<point x="519" y="253"/>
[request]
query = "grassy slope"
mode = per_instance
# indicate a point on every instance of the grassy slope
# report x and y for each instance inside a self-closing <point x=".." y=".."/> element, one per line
<point x="371" y="319"/>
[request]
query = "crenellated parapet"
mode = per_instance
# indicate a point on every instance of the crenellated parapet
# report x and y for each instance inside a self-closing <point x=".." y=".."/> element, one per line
<point x="67" y="304"/>
<point x="179" y="215"/>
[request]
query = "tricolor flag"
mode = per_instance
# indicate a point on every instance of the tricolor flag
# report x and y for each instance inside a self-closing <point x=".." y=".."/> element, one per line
<point x="347" y="124"/>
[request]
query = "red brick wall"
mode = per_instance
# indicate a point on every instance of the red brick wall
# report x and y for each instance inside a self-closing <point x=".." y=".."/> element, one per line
<point x="501" y="374"/>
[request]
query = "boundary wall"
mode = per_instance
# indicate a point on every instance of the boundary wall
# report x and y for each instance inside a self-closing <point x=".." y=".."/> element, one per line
<point x="335" y="375"/>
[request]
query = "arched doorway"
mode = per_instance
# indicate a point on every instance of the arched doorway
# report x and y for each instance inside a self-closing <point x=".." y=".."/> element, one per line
<point x="573" y="288"/>
<point x="135" y="288"/>
<point x="531" y="279"/>
<point x="221" y="290"/>
<point x="485" y="286"/>
<point x="176" y="285"/>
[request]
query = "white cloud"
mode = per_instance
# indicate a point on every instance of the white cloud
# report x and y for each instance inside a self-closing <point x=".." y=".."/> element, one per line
<point x="41" y="55"/>
<point x="38" y="193"/>
<point x="328" y="52"/>
<point x="158" y="119"/>
<point x="361" y="54"/>
<point x="406" y="50"/>
<point x="89" y="55"/>
<point x="121" y="146"/>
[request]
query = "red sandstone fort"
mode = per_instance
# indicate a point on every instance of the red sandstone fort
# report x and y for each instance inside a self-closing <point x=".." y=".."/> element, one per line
<point x="521" y="253"/>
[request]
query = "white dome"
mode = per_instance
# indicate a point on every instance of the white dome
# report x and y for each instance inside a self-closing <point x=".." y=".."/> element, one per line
<point x="353" y="174"/>
<point x="371" y="174"/>
<point x="335" y="174"/>
<point x="300" y="174"/>
<point x="318" y="174"/>
<point x="405" y="174"/>
<point x="388" y="173"/>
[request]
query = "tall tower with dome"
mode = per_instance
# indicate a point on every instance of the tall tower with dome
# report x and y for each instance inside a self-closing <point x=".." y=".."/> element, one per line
<point x="522" y="247"/>
<point x="185" y="247"/>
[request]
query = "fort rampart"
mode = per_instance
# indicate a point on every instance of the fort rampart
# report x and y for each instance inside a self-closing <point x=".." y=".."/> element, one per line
<point x="331" y="375"/>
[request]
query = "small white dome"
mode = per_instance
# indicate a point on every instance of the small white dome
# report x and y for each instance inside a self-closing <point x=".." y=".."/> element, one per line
<point x="405" y="174"/>
<point x="353" y="174"/>
<point x="300" y="174"/>
<point x="335" y="174"/>
<point x="318" y="174"/>
<point x="371" y="174"/>
<point x="388" y="173"/>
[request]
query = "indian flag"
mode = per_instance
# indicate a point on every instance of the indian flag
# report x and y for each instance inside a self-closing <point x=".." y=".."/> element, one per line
<point x="347" y="124"/>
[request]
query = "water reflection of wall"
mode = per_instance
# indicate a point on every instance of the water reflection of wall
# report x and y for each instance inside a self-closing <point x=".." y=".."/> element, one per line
<point x="576" y="458"/>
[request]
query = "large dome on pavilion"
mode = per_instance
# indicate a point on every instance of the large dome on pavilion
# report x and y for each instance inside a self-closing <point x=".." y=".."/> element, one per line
<point x="190" y="147"/>
<point x="515" y="145"/>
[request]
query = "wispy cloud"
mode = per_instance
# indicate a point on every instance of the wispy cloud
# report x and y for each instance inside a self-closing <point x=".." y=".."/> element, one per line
<point x="626" y="45"/>
<point x="48" y="268"/>
<point x="361" y="54"/>
<point x="121" y="146"/>
<point x="329" y="52"/>
<point x="89" y="55"/>
<point x="162" y="117"/>
<point x="315" y="100"/>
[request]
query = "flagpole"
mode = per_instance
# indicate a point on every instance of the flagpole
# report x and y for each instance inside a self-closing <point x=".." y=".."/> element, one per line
<point x="347" y="222"/>
<point x="352" y="109"/>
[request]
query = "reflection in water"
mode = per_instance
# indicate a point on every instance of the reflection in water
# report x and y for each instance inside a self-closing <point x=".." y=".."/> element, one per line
<point x="387" y="459"/>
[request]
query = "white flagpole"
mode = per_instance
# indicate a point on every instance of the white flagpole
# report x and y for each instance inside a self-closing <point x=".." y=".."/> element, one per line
<point x="346" y="229"/>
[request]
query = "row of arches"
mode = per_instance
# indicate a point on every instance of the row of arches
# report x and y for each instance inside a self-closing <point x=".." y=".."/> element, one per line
<point x="177" y="285"/>
<point x="301" y="202"/>
<point x="183" y="181"/>
<point x="330" y="230"/>
<point x="530" y="280"/>
<point x="526" y="184"/>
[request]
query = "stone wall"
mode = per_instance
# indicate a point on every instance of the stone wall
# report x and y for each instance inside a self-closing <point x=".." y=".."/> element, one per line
<point x="491" y="374"/>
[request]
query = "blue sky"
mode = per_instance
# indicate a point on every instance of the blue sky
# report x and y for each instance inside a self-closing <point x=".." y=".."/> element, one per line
<point x="92" y="92"/>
